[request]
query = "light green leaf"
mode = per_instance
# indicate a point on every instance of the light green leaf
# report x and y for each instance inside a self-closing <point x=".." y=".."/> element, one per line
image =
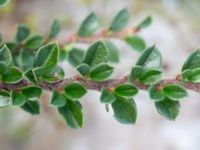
<point x="55" y="29"/>
<point x="58" y="100"/>
<point x="150" y="58"/>
<point x="168" y="108"/>
<point x="32" y="93"/>
<point x="136" y="72"/>
<point x="136" y="42"/>
<point x="75" y="56"/>
<point x="4" y="101"/>
<point x="96" y="54"/>
<point x="150" y="76"/>
<point x="18" y="99"/>
<point x="34" y="42"/>
<point x="145" y="23"/>
<point x="4" y="2"/>
<point x="75" y="91"/>
<point x="83" y="69"/>
<point x="126" y="90"/>
<point x="120" y="20"/>
<point x="107" y="97"/>
<point x="174" y="92"/>
<point x="125" y="110"/>
<point x="31" y="107"/>
<point x="89" y="25"/>
<point x="72" y="114"/>
<point x="113" y="52"/>
<point x="155" y="94"/>
<point x="22" y="33"/>
<point x="101" y="72"/>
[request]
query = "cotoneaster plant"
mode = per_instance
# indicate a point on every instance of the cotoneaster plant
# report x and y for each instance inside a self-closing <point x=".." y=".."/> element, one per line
<point x="29" y="65"/>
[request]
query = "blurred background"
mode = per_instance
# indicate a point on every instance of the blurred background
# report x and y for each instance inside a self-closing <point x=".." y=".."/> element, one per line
<point x="175" y="31"/>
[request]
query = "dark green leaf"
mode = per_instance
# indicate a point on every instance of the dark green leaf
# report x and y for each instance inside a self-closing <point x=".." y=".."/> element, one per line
<point x="34" y="42"/>
<point x="32" y="92"/>
<point x="31" y="107"/>
<point x="155" y="94"/>
<point x="150" y="76"/>
<point x="96" y="54"/>
<point x="113" y="52"/>
<point x="75" y="91"/>
<point x="22" y="33"/>
<point x="18" y="99"/>
<point x="107" y="97"/>
<point x="55" y="29"/>
<point x="30" y="75"/>
<point x="174" y="92"/>
<point x="125" y="110"/>
<point x="3" y="2"/>
<point x="120" y="20"/>
<point x="150" y="58"/>
<point x="195" y="76"/>
<point x="75" y="56"/>
<point x="12" y="76"/>
<point x="4" y="93"/>
<point x="58" y="100"/>
<point x="126" y="90"/>
<point x="101" y="72"/>
<point x="72" y="114"/>
<point x="145" y="23"/>
<point x="83" y="69"/>
<point x="136" y="72"/>
<point x="168" y="108"/>
<point x="89" y="25"/>
<point x="5" y="59"/>
<point x="136" y="42"/>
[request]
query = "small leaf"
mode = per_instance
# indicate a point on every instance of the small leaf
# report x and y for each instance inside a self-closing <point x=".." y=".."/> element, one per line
<point x="33" y="93"/>
<point x="4" y="101"/>
<point x="4" y="2"/>
<point x="58" y="100"/>
<point x="150" y="76"/>
<point x="174" y="92"/>
<point x="34" y="42"/>
<point x="83" y="69"/>
<point x="22" y="33"/>
<point x="18" y="99"/>
<point x="136" y="42"/>
<point x="55" y="29"/>
<point x="4" y="93"/>
<point x="125" y="110"/>
<point x="136" y="72"/>
<point x="75" y="56"/>
<point x="75" y="91"/>
<point x="72" y="114"/>
<point x="89" y="25"/>
<point x="195" y="76"/>
<point x="120" y="20"/>
<point x="96" y="54"/>
<point x="46" y="59"/>
<point x="5" y="59"/>
<point x="186" y="73"/>
<point x="31" y="107"/>
<point x="155" y="94"/>
<point x="13" y="75"/>
<point x="168" y="108"/>
<point x="145" y="23"/>
<point x="101" y="72"/>
<point x="126" y="90"/>
<point x="113" y="52"/>
<point x="107" y="97"/>
<point x="150" y="58"/>
<point x="30" y="75"/>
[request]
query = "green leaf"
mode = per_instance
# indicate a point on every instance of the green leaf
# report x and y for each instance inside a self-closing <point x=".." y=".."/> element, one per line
<point x="46" y="59"/>
<point x="4" y="2"/>
<point x="5" y="59"/>
<point x="89" y="25"/>
<point x="58" y="100"/>
<point x="186" y="73"/>
<point x="96" y="54"/>
<point x="101" y="72"/>
<point x="195" y="76"/>
<point x="4" y="93"/>
<point x="107" y="97"/>
<point x="34" y="42"/>
<point x="4" y="101"/>
<point x="125" y="110"/>
<point x="75" y="56"/>
<point x="136" y="42"/>
<point x="31" y="107"/>
<point x="113" y="52"/>
<point x="55" y="29"/>
<point x="72" y="114"/>
<point x="33" y="93"/>
<point x="155" y="94"/>
<point x="126" y="90"/>
<point x="120" y="20"/>
<point x="193" y="61"/>
<point x="83" y="69"/>
<point x="30" y="75"/>
<point x="150" y="76"/>
<point x="150" y="58"/>
<point x="136" y="72"/>
<point x="145" y="23"/>
<point x="22" y="33"/>
<point x="174" y="92"/>
<point x="13" y="75"/>
<point x="168" y="108"/>
<point x="75" y="91"/>
<point x="18" y="99"/>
